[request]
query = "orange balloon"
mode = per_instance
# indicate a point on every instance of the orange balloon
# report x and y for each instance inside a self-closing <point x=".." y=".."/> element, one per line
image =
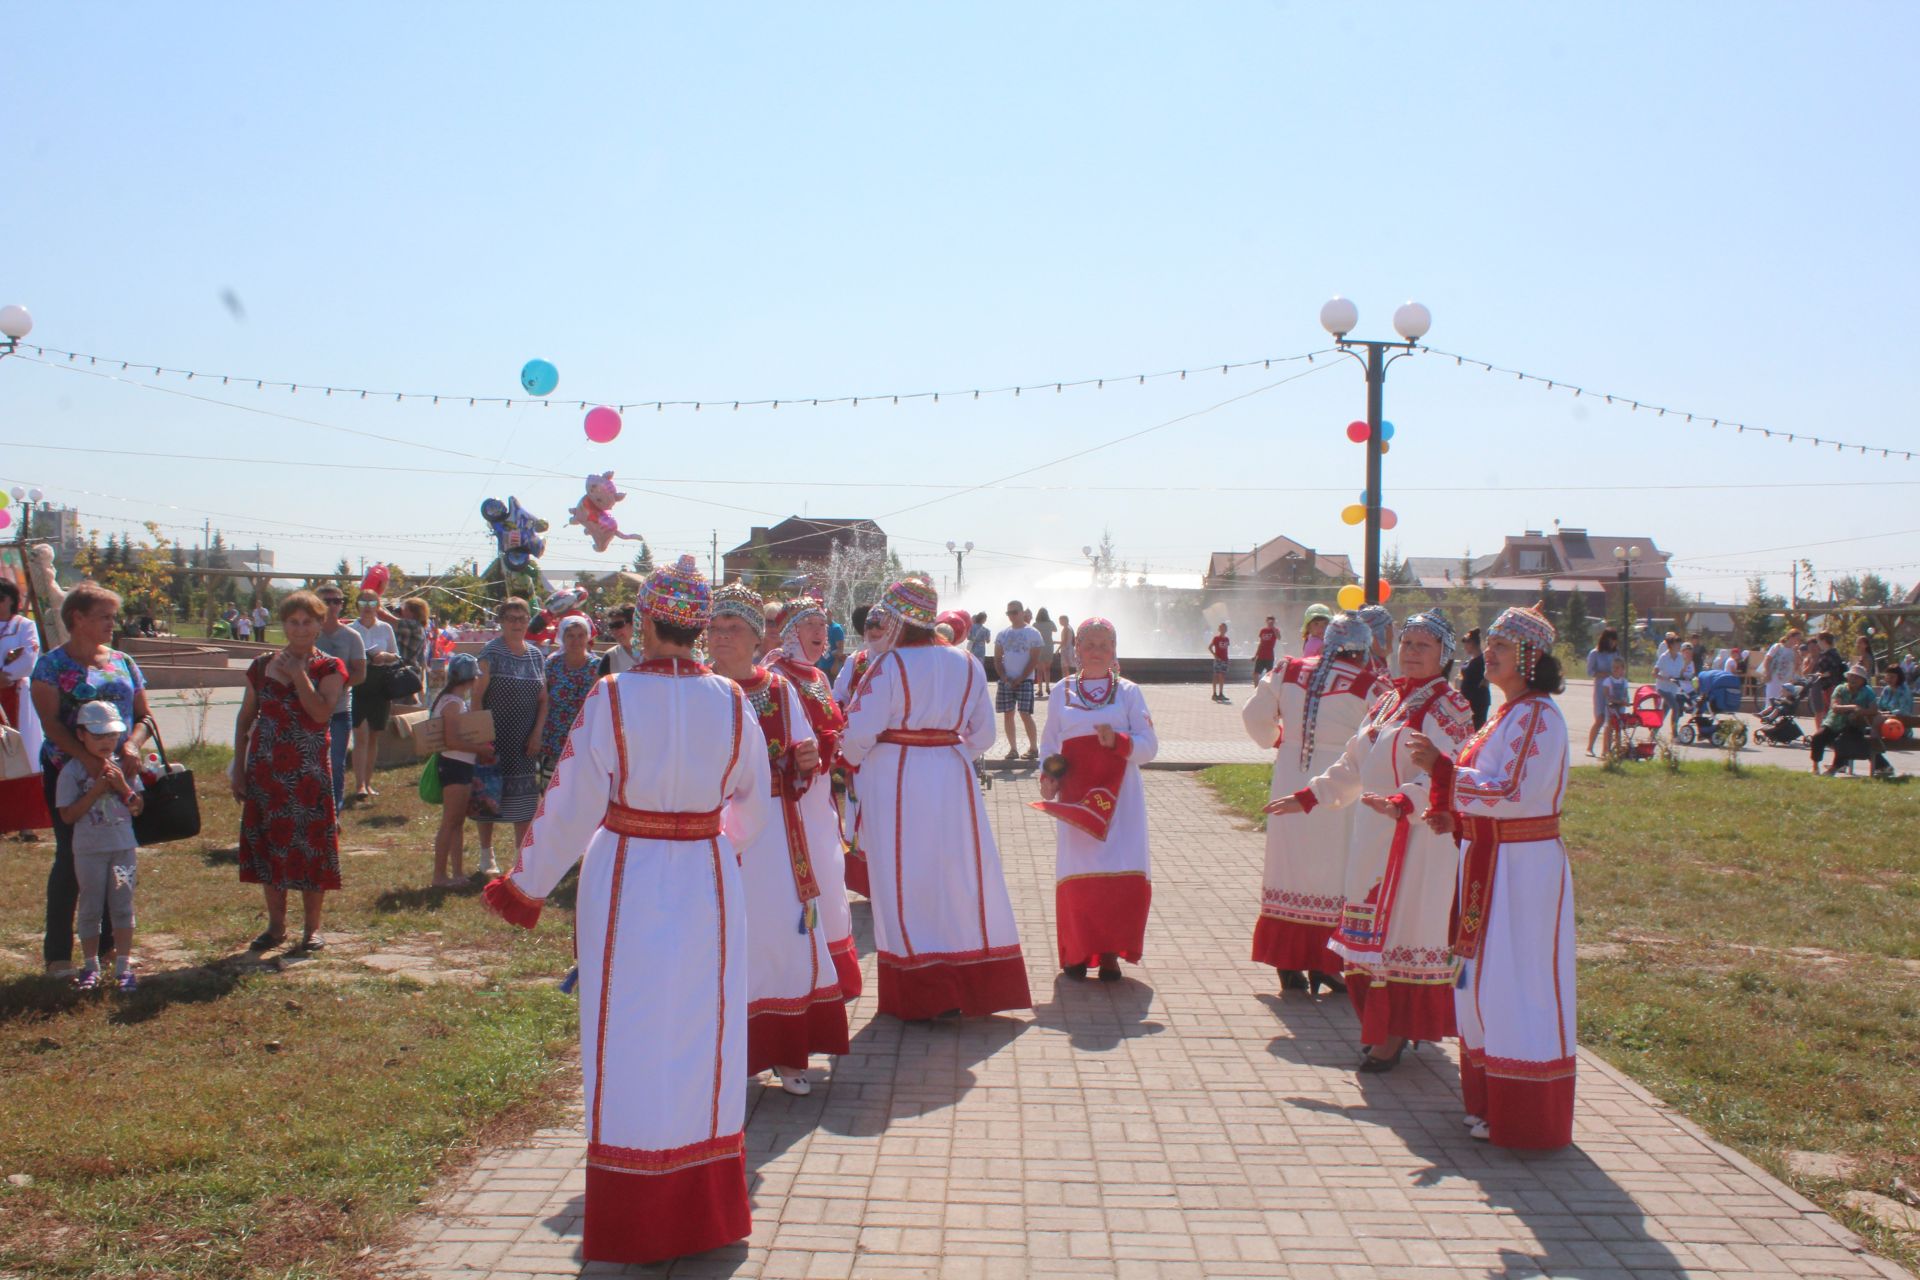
<point x="1893" y="728"/>
<point x="1386" y="592"/>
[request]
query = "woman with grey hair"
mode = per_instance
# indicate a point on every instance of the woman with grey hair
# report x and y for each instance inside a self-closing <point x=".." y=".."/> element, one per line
<point x="1399" y="874"/>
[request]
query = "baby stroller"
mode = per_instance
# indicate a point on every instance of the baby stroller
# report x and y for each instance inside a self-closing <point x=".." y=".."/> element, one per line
<point x="1716" y="691"/>
<point x="1778" y="726"/>
<point x="1645" y="714"/>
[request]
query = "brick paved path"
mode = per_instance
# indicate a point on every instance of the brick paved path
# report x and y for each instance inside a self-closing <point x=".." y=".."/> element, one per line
<point x="1184" y="1122"/>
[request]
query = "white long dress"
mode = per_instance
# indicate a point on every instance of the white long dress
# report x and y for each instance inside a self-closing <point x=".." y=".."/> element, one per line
<point x="844" y="684"/>
<point x="823" y="820"/>
<point x="672" y="756"/>
<point x="1515" y="1001"/>
<point x="1395" y="924"/>
<point x="1103" y="889"/>
<point x="1305" y="879"/>
<point x="794" y="1005"/>
<point x="942" y="921"/>
<point x="23" y="804"/>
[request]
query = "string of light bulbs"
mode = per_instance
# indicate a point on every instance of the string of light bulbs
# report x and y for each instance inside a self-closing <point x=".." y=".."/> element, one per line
<point x="1740" y="428"/>
<point x="709" y="402"/>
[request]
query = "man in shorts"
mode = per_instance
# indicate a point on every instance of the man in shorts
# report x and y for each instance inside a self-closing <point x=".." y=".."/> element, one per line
<point x="1263" y="656"/>
<point x="1219" y="647"/>
<point x="1014" y="650"/>
<point x="338" y="639"/>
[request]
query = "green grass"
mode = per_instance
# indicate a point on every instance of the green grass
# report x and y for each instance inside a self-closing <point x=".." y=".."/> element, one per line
<point x="1750" y="951"/>
<point x="231" y="1122"/>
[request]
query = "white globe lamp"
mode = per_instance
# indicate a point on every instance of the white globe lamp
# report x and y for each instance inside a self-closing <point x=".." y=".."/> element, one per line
<point x="1411" y="321"/>
<point x="1339" y="316"/>
<point x="15" y="322"/>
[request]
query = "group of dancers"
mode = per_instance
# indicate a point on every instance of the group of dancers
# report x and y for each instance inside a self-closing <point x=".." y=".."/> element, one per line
<point x="712" y="927"/>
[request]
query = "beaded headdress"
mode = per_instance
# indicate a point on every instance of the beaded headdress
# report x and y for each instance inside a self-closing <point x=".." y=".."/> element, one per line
<point x="1529" y="631"/>
<point x="913" y="601"/>
<point x="1347" y="634"/>
<point x="738" y="600"/>
<point x="1378" y="621"/>
<point x="678" y="594"/>
<point x="1089" y="625"/>
<point x="794" y="612"/>
<point x="1436" y="624"/>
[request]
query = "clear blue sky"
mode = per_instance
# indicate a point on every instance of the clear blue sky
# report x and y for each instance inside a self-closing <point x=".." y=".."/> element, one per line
<point x="1698" y="205"/>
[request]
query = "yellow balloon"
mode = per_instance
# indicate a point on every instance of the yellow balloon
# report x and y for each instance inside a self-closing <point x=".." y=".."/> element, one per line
<point x="1354" y="513"/>
<point x="5" y="500"/>
<point x="1351" y="597"/>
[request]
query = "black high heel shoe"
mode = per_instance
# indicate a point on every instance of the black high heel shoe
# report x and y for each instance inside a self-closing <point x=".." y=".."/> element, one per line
<point x="1370" y="1065"/>
<point x="1293" y="980"/>
<point x="1332" y="982"/>
<point x="1078" y="972"/>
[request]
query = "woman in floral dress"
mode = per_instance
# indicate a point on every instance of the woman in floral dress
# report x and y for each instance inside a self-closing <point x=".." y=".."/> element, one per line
<point x="513" y="686"/>
<point x="570" y="676"/>
<point x="282" y="774"/>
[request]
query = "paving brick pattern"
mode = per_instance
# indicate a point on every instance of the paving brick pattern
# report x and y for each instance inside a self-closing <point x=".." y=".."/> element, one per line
<point x="1183" y="1122"/>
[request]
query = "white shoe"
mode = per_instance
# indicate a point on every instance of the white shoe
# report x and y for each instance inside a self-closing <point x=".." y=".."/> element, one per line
<point x="1479" y="1132"/>
<point x="796" y="1084"/>
<point x="487" y="866"/>
<point x="1471" y="1121"/>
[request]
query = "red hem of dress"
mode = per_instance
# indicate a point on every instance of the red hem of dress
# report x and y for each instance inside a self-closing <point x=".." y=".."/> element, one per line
<point x="976" y="987"/>
<point x="857" y="874"/>
<point x="1288" y="944"/>
<point x="1415" y="1010"/>
<point x="1522" y="1115"/>
<point x="650" y="1217"/>
<point x="846" y="963"/>
<point x="788" y="1037"/>
<point x="508" y="901"/>
<point x="1100" y="915"/>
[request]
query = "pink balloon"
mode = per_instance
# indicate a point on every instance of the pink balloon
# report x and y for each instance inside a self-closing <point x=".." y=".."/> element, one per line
<point x="1357" y="432"/>
<point x="6" y="518"/>
<point x="1388" y="519"/>
<point x="603" y="424"/>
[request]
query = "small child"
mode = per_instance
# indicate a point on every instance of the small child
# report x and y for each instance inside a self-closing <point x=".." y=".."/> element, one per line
<point x="100" y="808"/>
<point x="1619" y="702"/>
<point x="1219" y="646"/>
<point x="456" y="762"/>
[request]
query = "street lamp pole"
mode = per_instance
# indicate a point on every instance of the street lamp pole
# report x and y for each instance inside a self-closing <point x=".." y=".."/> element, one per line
<point x="959" y="569"/>
<point x="15" y="324"/>
<point x="1628" y="557"/>
<point x="1093" y="559"/>
<point x="1411" y="321"/>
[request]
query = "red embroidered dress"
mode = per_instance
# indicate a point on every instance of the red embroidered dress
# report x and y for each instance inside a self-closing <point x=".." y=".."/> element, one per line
<point x="823" y="821"/>
<point x="794" y="1005"/>
<point x="852" y="674"/>
<point x="1398" y="888"/>
<point x="1515" y="998"/>
<point x="289" y="838"/>
<point x="1304" y="882"/>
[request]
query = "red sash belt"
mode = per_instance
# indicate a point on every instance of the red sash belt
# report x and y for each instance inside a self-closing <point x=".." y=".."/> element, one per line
<point x="1484" y="836"/>
<point x="921" y="737"/>
<point x="661" y="826"/>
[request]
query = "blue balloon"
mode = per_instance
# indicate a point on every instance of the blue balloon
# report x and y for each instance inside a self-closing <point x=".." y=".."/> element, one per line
<point x="539" y="377"/>
<point x="1386" y="431"/>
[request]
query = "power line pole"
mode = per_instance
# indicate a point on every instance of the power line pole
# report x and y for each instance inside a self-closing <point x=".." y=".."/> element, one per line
<point x="713" y="559"/>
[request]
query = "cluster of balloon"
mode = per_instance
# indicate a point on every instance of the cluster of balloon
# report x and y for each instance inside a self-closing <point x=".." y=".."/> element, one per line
<point x="539" y="377"/>
<point x="1353" y="595"/>
<point x="602" y="424"/>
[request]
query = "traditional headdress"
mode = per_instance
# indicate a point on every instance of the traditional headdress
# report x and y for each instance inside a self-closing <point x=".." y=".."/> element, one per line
<point x="794" y="612"/>
<point x="1089" y="625"/>
<point x="913" y="600"/>
<point x="678" y="594"/>
<point x="738" y="600"/>
<point x="1378" y="621"/>
<point x="1435" y="623"/>
<point x="1528" y="630"/>
<point x="1347" y="633"/>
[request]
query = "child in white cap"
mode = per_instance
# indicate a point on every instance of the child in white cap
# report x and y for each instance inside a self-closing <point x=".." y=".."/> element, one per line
<point x="100" y="802"/>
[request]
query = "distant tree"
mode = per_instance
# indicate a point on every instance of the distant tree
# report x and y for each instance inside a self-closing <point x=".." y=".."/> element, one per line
<point x="1756" y="624"/>
<point x="1104" y="561"/>
<point x="643" y="562"/>
<point x="1576" y="630"/>
<point x="1395" y="569"/>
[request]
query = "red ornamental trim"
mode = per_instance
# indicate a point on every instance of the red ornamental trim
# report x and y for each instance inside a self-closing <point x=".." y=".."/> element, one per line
<point x="647" y="824"/>
<point x="671" y="1160"/>
<point x="619" y="735"/>
<point x="508" y="901"/>
<point x="927" y="959"/>
<point x="787" y="1006"/>
<point x="1484" y="837"/>
<point x="720" y="919"/>
<point x="921" y="737"/>
<point x="606" y="989"/>
<point x="670" y="667"/>
<point x="1307" y="799"/>
<point x="1522" y="1069"/>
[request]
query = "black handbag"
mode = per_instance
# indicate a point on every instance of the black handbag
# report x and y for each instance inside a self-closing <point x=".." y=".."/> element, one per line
<point x="170" y="808"/>
<point x="402" y="682"/>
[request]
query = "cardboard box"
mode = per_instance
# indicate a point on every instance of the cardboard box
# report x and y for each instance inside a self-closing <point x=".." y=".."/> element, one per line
<point x="427" y="734"/>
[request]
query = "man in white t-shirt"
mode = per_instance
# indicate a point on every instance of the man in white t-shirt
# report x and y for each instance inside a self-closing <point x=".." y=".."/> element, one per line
<point x="260" y="619"/>
<point x="371" y="702"/>
<point x="1014" y="650"/>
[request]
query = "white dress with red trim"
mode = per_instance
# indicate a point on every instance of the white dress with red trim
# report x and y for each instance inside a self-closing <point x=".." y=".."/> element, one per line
<point x="942" y="921"/>
<point x="1301" y="890"/>
<point x="662" y="781"/>
<point x="794" y="1005"/>
<point x="1515" y="998"/>
<point x="1103" y="888"/>
<point x="1397" y="918"/>
<point x="823" y="821"/>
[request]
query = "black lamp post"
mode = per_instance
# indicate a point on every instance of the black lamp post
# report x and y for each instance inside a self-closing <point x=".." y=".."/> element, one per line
<point x="1628" y="557"/>
<point x="1411" y="322"/>
<point x="959" y="570"/>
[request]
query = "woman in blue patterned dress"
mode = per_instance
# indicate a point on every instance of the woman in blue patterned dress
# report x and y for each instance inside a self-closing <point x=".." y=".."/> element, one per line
<point x="513" y="686"/>
<point x="570" y="676"/>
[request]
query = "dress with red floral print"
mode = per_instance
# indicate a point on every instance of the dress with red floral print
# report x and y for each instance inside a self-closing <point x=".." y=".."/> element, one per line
<point x="289" y="838"/>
